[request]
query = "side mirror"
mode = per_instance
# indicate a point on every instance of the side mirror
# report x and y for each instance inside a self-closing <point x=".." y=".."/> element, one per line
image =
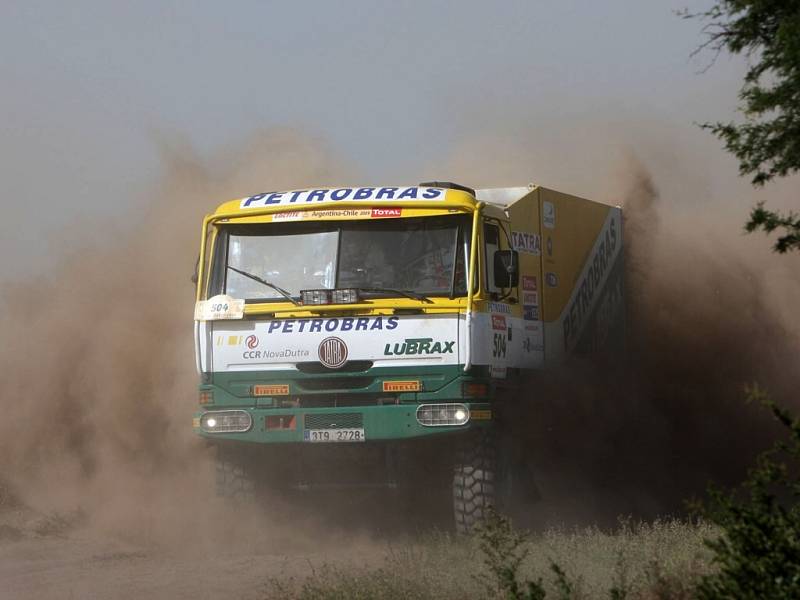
<point x="506" y="268"/>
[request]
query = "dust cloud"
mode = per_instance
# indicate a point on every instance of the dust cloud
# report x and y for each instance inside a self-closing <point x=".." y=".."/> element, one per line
<point x="98" y="372"/>
<point x="706" y="315"/>
<point x="98" y="383"/>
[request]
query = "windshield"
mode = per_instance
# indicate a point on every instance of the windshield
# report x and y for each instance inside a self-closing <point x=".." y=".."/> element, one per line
<point x="427" y="256"/>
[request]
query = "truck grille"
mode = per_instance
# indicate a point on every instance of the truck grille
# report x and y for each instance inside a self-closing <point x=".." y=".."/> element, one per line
<point x="335" y="383"/>
<point x="333" y="421"/>
<point x="336" y="400"/>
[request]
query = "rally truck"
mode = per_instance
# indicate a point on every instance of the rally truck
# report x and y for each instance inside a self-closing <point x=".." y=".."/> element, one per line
<point x="360" y="337"/>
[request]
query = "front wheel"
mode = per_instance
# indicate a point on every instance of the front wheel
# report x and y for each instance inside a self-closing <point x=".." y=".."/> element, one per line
<point x="235" y="474"/>
<point x="474" y="481"/>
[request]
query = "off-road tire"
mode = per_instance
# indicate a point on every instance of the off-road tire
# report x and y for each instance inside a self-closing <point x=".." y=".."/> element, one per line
<point x="235" y="476"/>
<point x="474" y="481"/>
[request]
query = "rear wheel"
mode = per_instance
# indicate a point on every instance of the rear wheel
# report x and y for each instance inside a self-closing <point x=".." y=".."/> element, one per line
<point x="474" y="481"/>
<point x="235" y="474"/>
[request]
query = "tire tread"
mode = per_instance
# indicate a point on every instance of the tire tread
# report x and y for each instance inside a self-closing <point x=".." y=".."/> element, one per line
<point x="473" y="482"/>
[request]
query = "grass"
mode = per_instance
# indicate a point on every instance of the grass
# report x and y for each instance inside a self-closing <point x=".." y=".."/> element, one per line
<point x="636" y="560"/>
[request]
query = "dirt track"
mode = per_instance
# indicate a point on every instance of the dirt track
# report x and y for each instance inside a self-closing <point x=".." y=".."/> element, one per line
<point x="82" y="567"/>
<point x="63" y="556"/>
<point x="52" y="555"/>
<point x="82" y="564"/>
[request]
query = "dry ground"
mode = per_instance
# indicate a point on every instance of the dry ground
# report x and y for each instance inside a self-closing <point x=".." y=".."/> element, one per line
<point x="63" y="556"/>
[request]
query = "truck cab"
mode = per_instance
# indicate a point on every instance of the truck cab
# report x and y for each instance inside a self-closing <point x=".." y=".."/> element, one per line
<point x="379" y="326"/>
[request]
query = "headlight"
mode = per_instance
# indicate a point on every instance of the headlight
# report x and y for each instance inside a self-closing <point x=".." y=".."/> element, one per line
<point x="345" y="296"/>
<point x="315" y="296"/>
<point x="439" y="415"/>
<point x="226" y="421"/>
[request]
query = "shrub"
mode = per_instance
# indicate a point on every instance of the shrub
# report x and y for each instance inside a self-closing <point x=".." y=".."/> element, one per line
<point x="758" y="551"/>
<point x="503" y="553"/>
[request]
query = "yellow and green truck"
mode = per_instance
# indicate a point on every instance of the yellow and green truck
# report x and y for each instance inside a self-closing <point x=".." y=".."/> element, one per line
<point x="360" y="337"/>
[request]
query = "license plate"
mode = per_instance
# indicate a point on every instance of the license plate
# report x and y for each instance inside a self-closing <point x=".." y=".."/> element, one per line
<point x="334" y="435"/>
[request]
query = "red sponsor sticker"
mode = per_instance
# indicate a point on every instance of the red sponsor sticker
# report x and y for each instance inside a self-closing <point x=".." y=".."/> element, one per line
<point x="528" y="283"/>
<point x="499" y="322"/>
<point x="531" y="298"/>
<point x="382" y="213"/>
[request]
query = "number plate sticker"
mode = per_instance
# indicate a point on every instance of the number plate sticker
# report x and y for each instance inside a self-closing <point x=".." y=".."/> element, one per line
<point x="219" y="307"/>
<point x="334" y="435"/>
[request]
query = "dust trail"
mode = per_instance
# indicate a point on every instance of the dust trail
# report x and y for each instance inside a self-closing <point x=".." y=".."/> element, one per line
<point x="98" y="381"/>
<point x="708" y="318"/>
<point x="705" y="317"/>
<point x="709" y="310"/>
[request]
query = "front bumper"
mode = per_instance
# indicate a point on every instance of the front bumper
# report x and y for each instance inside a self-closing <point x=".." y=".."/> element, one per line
<point x="380" y="423"/>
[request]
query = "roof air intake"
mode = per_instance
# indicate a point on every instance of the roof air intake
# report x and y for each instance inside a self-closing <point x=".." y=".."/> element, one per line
<point x="448" y="185"/>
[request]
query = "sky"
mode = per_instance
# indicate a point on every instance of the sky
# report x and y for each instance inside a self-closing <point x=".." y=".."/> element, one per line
<point x="396" y="89"/>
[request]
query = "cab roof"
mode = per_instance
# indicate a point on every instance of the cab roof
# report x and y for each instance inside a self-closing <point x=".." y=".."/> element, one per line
<point x="434" y="195"/>
<point x="428" y="197"/>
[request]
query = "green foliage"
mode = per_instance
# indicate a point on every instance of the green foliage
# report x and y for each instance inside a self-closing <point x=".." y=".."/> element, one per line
<point x="621" y="588"/>
<point x="758" y="553"/>
<point x="768" y="33"/>
<point x="504" y="551"/>
<point x="668" y="586"/>
<point x="769" y="221"/>
<point x="767" y="143"/>
<point x="565" y="588"/>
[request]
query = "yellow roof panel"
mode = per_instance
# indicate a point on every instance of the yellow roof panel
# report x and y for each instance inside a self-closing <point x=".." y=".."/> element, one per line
<point x="347" y="197"/>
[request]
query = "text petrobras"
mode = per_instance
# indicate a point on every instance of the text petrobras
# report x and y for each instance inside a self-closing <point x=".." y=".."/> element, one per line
<point x="599" y="264"/>
<point x="339" y="194"/>
<point x="335" y="324"/>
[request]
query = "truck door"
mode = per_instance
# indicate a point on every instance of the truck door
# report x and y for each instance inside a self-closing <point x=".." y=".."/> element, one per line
<point x="491" y="239"/>
<point x="500" y="331"/>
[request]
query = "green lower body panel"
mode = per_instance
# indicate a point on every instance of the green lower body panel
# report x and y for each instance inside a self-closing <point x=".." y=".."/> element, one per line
<point x="376" y="404"/>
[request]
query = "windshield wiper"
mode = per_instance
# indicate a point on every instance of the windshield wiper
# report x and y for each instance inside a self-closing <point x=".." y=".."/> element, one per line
<point x="278" y="289"/>
<point x="406" y="293"/>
